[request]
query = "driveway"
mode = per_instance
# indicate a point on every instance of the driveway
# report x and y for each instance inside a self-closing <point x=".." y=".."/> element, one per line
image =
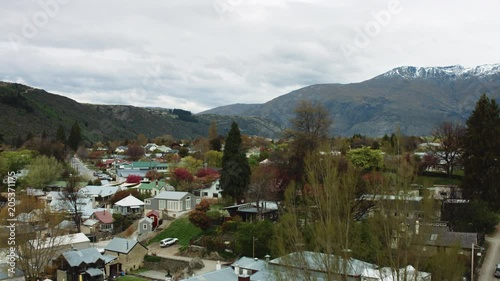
<point x="171" y="253"/>
<point x="492" y="257"/>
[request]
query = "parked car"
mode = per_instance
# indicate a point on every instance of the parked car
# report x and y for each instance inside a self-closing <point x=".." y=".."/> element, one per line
<point x="497" y="271"/>
<point x="168" y="242"/>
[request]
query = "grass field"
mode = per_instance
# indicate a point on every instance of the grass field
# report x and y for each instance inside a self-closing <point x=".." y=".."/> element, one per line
<point x="181" y="229"/>
<point x="429" y="179"/>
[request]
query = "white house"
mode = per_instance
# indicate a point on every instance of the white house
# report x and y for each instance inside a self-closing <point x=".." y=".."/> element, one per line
<point x="129" y="206"/>
<point x="213" y="191"/>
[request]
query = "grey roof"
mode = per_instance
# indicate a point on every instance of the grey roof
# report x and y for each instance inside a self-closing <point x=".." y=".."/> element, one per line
<point x="226" y="274"/>
<point x="94" y="272"/>
<point x="121" y="245"/>
<point x="442" y="236"/>
<point x="172" y="195"/>
<point x="88" y="255"/>
<point x="250" y="263"/>
<point x="321" y="262"/>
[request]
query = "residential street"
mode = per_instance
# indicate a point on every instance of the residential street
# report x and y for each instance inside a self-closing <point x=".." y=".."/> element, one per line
<point x="492" y="257"/>
<point x="85" y="172"/>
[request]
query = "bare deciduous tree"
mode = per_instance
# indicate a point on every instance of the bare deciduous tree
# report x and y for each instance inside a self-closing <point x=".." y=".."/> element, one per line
<point x="451" y="136"/>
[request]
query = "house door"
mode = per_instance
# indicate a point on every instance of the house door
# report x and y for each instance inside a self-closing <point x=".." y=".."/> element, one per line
<point x="188" y="203"/>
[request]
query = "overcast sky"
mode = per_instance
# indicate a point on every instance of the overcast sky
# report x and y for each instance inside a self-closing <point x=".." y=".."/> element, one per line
<point x="200" y="54"/>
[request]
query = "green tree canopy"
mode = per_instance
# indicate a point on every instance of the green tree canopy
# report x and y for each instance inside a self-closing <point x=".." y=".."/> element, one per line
<point x="235" y="174"/>
<point x="365" y="158"/>
<point x="43" y="170"/>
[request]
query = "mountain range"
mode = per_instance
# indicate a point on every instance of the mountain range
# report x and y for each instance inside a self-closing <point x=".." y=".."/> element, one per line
<point x="30" y="111"/>
<point x="411" y="99"/>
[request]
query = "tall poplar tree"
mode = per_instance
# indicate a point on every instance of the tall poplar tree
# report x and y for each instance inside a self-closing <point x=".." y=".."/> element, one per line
<point x="481" y="152"/>
<point x="235" y="174"/>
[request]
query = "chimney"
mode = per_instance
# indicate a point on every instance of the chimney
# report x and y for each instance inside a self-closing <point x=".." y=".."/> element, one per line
<point x="267" y="258"/>
<point x="237" y="269"/>
<point x="218" y="266"/>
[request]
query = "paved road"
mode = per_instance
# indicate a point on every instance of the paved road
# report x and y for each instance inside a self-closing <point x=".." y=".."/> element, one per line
<point x="82" y="170"/>
<point x="492" y="257"/>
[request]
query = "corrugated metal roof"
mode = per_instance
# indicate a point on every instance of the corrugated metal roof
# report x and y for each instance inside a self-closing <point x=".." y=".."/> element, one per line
<point x="86" y="256"/>
<point x="226" y="274"/>
<point x="121" y="245"/>
<point x="172" y="195"/>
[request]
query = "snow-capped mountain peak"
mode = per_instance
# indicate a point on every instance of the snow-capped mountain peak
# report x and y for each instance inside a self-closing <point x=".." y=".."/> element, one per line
<point x="450" y="72"/>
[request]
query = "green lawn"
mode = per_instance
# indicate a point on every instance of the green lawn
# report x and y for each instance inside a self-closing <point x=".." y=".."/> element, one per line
<point x="181" y="229"/>
<point x="429" y="179"/>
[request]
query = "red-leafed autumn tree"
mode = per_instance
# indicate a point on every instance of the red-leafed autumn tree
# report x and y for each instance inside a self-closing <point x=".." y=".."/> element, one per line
<point x="199" y="217"/>
<point x="182" y="174"/>
<point x="134" y="179"/>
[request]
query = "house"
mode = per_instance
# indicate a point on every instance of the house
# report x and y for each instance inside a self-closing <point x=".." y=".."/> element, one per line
<point x="438" y="238"/>
<point x="171" y="202"/>
<point x="129" y="206"/>
<point x="121" y="149"/>
<point x="254" y="211"/>
<point x="153" y="188"/>
<point x="243" y="269"/>
<point x="145" y="225"/>
<point x="82" y="265"/>
<point x="212" y="191"/>
<point x="141" y="167"/>
<point x="57" y="203"/>
<point x="130" y="255"/>
<point x="319" y="266"/>
<point x="53" y="247"/>
<point x="154" y="215"/>
<point x="64" y="242"/>
<point x="100" y="221"/>
<point x="99" y="193"/>
<point x="150" y="147"/>
<point x="303" y="266"/>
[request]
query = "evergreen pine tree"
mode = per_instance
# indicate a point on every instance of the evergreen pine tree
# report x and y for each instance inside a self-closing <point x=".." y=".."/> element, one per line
<point x="481" y="157"/>
<point x="61" y="134"/>
<point x="235" y="174"/>
<point x="75" y="136"/>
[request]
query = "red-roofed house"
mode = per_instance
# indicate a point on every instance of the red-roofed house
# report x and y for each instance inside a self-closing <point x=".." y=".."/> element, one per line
<point x="155" y="216"/>
<point x="105" y="218"/>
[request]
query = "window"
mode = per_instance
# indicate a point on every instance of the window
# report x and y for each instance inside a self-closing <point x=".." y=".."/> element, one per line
<point x="161" y="204"/>
<point x="434" y="237"/>
<point x="147" y="202"/>
<point x="144" y="226"/>
<point x="173" y="205"/>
